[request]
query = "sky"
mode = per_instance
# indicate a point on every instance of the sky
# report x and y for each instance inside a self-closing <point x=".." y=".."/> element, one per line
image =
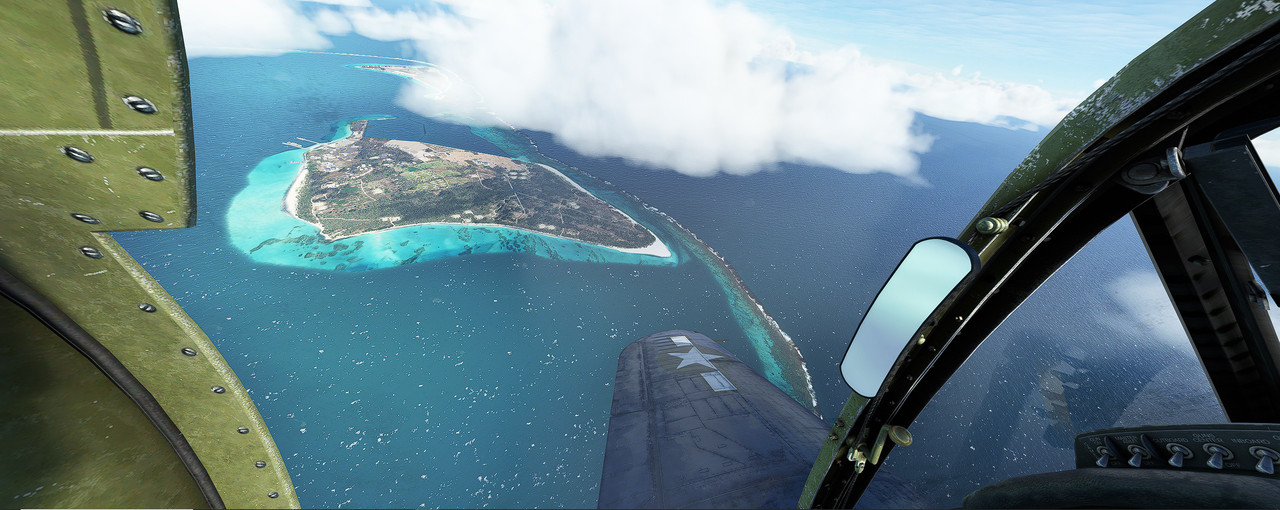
<point x="1065" y="47"/>
<point x="705" y="87"/>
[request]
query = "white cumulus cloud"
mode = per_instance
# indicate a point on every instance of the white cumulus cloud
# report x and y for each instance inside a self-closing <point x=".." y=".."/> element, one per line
<point x="400" y="25"/>
<point x="355" y="3"/>
<point x="694" y="85"/>
<point x="678" y="84"/>
<point x="217" y="28"/>
<point x="974" y="99"/>
<point x="331" y="22"/>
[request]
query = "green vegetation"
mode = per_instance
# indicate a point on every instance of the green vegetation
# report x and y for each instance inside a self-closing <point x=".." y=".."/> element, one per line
<point x="438" y="164"/>
<point x="305" y="192"/>
<point x="365" y="184"/>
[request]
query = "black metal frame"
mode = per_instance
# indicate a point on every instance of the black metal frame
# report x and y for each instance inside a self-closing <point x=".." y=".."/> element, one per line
<point x="1054" y="222"/>
<point x="1209" y="279"/>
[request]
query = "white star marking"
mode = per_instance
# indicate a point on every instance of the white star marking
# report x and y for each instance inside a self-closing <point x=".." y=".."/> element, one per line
<point x="694" y="357"/>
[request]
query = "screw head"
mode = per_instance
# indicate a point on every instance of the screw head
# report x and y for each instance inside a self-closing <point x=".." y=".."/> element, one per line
<point x="150" y="216"/>
<point x="218" y="389"/>
<point x="991" y="225"/>
<point x="259" y="464"/>
<point x="273" y="494"/>
<point x="85" y="218"/>
<point x="188" y="351"/>
<point x="243" y="430"/>
<point x="77" y="154"/>
<point x="90" y="252"/>
<point x="147" y="307"/>
<point x="150" y="173"/>
<point x="122" y="21"/>
<point x="139" y="104"/>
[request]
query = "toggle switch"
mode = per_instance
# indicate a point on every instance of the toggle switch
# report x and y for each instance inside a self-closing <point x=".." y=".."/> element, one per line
<point x="1266" y="465"/>
<point x="1139" y="453"/>
<point x="1266" y="459"/>
<point x="1108" y="451"/>
<point x="1217" y="453"/>
<point x="1104" y="459"/>
<point x="1180" y="453"/>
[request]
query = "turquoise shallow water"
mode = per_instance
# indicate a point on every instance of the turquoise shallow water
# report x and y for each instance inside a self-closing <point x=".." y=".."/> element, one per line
<point x="464" y="381"/>
<point x="486" y="379"/>
<point x="258" y="225"/>
<point x="272" y="236"/>
<point x="261" y="228"/>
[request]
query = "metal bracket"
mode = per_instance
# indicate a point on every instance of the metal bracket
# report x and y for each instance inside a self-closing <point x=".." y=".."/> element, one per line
<point x="1237" y="184"/>
<point x="1153" y="176"/>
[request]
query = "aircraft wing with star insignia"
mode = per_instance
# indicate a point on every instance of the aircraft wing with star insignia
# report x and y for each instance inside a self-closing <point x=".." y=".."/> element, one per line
<point x="692" y="426"/>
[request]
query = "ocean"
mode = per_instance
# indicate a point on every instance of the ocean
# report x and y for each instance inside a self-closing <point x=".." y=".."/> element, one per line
<point x="485" y="380"/>
<point x="482" y="380"/>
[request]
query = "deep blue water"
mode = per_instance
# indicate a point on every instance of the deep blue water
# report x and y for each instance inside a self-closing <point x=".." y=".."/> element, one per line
<point x="485" y="380"/>
<point x="816" y="245"/>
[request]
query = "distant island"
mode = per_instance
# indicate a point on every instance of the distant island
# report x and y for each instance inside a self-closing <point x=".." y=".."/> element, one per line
<point x="426" y="75"/>
<point x="357" y="185"/>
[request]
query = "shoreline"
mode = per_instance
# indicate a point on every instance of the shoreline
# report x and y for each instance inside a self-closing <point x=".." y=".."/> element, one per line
<point x="290" y="206"/>
<point x="777" y="338"/>
<point x="655" y="249"/>
<point x="647" y="250"/>
<point x="440" y="92"/>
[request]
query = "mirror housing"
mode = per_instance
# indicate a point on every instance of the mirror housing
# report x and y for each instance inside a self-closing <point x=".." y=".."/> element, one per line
<point x="925" y="280"/>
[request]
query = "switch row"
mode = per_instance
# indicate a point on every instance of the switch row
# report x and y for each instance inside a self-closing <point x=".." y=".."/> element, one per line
<point x="1178" y="454"/>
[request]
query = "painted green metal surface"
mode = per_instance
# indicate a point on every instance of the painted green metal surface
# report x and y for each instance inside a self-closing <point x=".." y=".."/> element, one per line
<point x="832" y="447"/>
<point x="62" y="77"/>
<point x="1108" y="110"/>
<point x="63" y="421"/>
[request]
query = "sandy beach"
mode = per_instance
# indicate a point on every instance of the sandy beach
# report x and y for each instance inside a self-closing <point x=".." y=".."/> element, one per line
<point x="291" y="196"/>
<point x="655" y="249"/>
<point x="574" y="184"/>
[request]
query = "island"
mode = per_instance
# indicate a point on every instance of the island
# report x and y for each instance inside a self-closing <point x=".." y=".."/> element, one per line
<point x="357" y="185"/>
<point x="426" y="75"/>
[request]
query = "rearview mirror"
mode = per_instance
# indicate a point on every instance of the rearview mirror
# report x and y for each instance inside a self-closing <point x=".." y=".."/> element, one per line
<point x="932" y="270"/>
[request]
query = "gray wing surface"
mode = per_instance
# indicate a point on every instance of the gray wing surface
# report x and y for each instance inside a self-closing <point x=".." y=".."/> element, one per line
<point x="694" y="426"/>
